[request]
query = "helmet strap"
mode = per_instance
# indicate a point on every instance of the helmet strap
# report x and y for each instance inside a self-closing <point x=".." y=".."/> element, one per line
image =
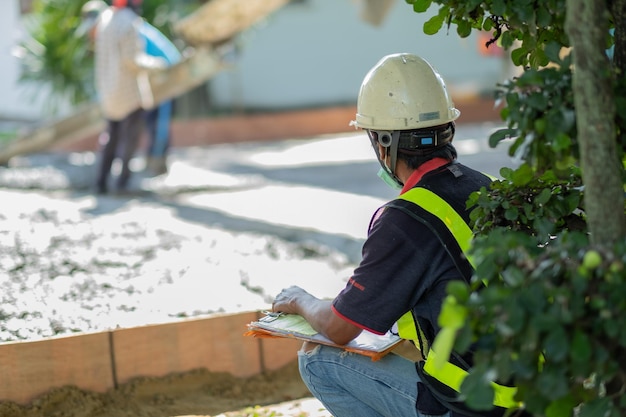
<point x="395" y="141"/>
<point x="389" y="140"/>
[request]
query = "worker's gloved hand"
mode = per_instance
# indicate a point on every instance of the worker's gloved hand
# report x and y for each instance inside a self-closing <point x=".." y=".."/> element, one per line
<point x="287" y="300"/>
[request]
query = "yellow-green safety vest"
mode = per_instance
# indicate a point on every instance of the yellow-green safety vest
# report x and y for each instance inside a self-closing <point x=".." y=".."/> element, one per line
<point x="450" y="374"/>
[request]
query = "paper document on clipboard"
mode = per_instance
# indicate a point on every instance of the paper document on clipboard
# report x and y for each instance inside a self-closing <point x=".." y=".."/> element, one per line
<point x="296" y="327"/>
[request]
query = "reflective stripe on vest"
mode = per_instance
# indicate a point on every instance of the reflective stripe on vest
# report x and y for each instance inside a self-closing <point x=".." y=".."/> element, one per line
<point x="437" y="206"/>
<point x="449" y="374"/>
<point x="461" y="232"/>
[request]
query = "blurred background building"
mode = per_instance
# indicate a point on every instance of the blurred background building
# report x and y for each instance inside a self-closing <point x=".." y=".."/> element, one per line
<point x="307" y="54"/>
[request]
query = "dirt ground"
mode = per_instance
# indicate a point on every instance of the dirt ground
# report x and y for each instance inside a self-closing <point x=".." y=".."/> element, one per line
<point x="197" y="393"/>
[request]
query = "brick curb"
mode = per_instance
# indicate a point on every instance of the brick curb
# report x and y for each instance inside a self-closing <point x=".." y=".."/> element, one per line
<point x="102" y="361"/>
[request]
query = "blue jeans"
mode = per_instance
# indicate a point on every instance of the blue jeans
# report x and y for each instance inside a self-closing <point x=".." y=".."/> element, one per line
<point x="158" y="122"/>
<point x="349" y="384"/>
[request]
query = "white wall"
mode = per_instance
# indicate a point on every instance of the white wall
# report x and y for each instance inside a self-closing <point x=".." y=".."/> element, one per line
<point x="20" y="102"/>
<point x="16" y="101"/>
<point x="10" y="105"/>
<point x="316" y="52"/>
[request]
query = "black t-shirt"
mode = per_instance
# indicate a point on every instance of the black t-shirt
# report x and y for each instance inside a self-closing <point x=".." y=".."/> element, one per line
<point x="404" y="265"/>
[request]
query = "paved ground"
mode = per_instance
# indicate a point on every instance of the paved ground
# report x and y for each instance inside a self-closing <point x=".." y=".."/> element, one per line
<point x="264" y="187"/>
<point x="259" y="215"/>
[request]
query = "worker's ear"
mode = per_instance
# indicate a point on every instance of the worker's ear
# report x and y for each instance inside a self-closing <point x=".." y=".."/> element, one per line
<point x="382" y="151"/>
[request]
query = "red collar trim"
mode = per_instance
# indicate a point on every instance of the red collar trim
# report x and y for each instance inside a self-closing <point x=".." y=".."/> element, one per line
<point x="423" y="169"/>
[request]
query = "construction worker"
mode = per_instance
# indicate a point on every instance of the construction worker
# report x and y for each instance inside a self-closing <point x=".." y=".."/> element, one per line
<point x="158" y="118"/>
<point x="119" y="57"/>
<point x="414" y="249"/>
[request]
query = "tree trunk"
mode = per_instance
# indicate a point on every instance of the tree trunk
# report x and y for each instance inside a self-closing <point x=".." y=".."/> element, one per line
<point x="586" y="26"/>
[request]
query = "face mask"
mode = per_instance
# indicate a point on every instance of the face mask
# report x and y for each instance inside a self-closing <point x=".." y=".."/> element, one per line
<point x="384" y="175"/>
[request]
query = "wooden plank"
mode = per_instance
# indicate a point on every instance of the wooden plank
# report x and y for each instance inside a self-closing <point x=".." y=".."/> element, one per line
<point x="30" y="369"/>
<point x="219" y="20"/>
<point x="85" y="121"/>
<point x="198" y="65"/>
<point x="279" y="352"/>
<point x="215" y="343"/>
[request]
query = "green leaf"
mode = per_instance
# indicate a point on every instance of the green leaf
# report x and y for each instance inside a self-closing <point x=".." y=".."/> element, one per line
<point x="525" y="11"/>
<point x="443" y="346"/>
<point x="522" y="175"/>
<point x="420" y="6"/>
<point x="620" y="106"/>
<point x="581" y="347"/>
<point x="464" y="28"/>
<point x="552" y="382"/>
<point x="538" y="58"/>
<point x="529" y="211"/>
<point x="459" y="290"/>
<point x="500" y="135"/>
<point x="556" y="345"/>
<point x="563" y="407"/>
<point x="543" y="197"/>
<point x="553" y="51"/>
<point x="506" y="39"/>
<point x="565" y="163"/>
<point x="464" y="339"/>
<point x="518" y="56"/>
<point x="488" y="24"/>
<point x="506" y="172"/>
<point x="538" y="101"/>
<point x="562" y="142"/>
<point x="543" y="226"/>
<point x="595" y="408"/>
<point x="433" y="25"/>
<point x="452" y="314"/>
<point x="511" y="213"/>
<point x="572" y="200"/>
<point x="498" y="7"/>
<point x="544" y="17"/>
<point x="515" y="278"/>
<point x="477" y="390"/>
<point x="472" y="4"/>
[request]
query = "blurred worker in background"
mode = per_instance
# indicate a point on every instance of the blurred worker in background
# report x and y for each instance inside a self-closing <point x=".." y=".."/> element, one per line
<point x="120" y="55"/>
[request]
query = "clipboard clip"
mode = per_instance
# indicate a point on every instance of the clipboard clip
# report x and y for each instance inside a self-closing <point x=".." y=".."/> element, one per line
<point x="270" y="316"/>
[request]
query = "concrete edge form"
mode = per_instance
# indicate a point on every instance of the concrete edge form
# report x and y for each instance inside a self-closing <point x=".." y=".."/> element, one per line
<point x="101" y="361"/>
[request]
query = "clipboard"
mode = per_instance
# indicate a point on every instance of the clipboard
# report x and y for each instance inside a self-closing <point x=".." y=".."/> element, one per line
<point x="280" y="325"/>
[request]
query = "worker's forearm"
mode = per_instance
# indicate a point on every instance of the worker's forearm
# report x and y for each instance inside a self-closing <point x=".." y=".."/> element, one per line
<point x="317" y="312"/>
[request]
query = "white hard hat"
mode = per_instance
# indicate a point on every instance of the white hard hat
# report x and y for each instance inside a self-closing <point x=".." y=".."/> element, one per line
<point x="403" y="92"/>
